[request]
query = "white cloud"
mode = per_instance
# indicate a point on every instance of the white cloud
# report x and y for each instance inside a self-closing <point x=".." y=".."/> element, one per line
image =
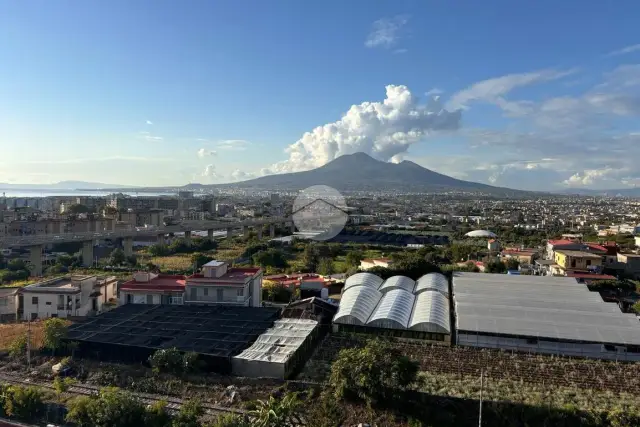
<point x="625" y="50"/>
<point x="492" y="90"/>
<point x="148" y="137"/>
<point x="386" y="32"/>
<point x="232" y="144"/>
<point x="210" y="172"/>
<point x="433" y="92"/>
<point x="380" y="129"/>
<point x="149" y="122"/>
<point x="589" y="177"/>
<point x="203" y="152"/>
<point x="238" y="175"/>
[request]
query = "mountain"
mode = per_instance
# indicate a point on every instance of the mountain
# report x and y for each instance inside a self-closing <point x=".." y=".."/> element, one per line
<point x="63" y="185"/>
<point x="360" y="172"/>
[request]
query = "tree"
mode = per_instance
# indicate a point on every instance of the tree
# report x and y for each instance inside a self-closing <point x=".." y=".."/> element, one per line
<point x="158" y="250"/>
<point x="112" y="408"/>
<point x="274" y="291"/>
<point x="277" y="412"/>
<point x="60" y="385"/>
<point x="310" y="258"/>
<point x="157" y="415"/>
<point x="55" y="332"/>
<point x="374" y="373"/>
<point x="325" y="267"/>
<point x="24" y="402"/>
<point x="132" y="260"/>
<point x="76" y="209"/>
<point x="199" y="259"/>
<point x="272" y="257"/>
<point x="18" y="347"/>
<point x="188" y="415"/>
<point x="16" y="265"/>
<point x="3" y="263"/>
<point x="636" y="307"/>
<point x="110" y="211"/>
<point x="495" y="266"/>
<point x="166" y="360"/>
<point x="353" y="258"/>
<point x="117" y="257"/>
<point x="513" y="264"/>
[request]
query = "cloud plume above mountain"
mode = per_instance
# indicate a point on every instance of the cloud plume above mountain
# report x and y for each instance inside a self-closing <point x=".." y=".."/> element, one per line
<point x="381" y="129"/>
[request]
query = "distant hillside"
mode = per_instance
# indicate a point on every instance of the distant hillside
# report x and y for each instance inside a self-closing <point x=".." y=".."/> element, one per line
<point x="360" y="172"/>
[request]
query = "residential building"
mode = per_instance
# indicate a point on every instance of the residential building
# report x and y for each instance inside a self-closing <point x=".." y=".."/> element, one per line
<point x="524" y="256"/>
<point x="573" y="261"/>
<point x="493" y="245"/>
<point x="67" y="296"/>
<point x="631" y="263"/>
<point x="150" y="288"/>
<point x="367" y="264"/>
<point x="553" y="245"/>
<point x="637" y="240"/>
<point x="218" y="283"/>
<point x="140" y="218"/>
<point x="9" y="304"/>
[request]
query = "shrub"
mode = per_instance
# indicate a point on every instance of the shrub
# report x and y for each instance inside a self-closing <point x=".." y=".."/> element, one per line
<point x="190" y="362"/>
<point x="55" y="331"/>
<point x="112" y="408"/>
<point x="277" y="412"/>
<point x="23" y="402"/>
<point x="372" y="373"/>
<point x="230" y="420"/>
<point x="18" y="347"/>
<point x="166" y="361"/>
<point x="189" y="414"/>
<point x="157" y="415"/>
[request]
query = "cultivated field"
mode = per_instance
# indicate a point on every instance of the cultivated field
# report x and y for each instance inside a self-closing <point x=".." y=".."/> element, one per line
<point x="10" y="331"/>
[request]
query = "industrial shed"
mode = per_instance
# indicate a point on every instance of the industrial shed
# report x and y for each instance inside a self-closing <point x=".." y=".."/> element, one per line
<point x="396" y="307"/>
<point x="278" y="351"/>
<point x="543" y="314"/>
<point x="134" y="331"/>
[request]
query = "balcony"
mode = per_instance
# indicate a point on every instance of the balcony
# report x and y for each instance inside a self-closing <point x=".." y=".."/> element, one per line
<point x="211" y="299"/>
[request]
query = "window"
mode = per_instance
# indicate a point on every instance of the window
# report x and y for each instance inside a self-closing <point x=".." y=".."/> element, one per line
<point x="241" y="292"/>
<point x="609" y="347"/>
<point x="588" y="262"/>
<point x="175" y="300"/>
<point x="34" y="316"/>
<point x="532" y="341"/>
<point x="149" y="299"/>
<point x="206" y="292"/>
<point x="54" y="315"/>
<point x="47" y="303"/>
<point x="573" y="263"/>
<point x="34" y="300"/>
<point x="220" y="295"/>
<point x="4" y="302"/>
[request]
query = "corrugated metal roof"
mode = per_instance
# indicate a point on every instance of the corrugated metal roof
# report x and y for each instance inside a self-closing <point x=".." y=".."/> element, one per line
<point x="398" y="282"/>
<point x="431" y="313"/>
<point x="356" y="305"/>
<point x="539" y="306"/>
<point x="394" y="310"/>
<point x="366" y="279"/>
<point x="433" y="281"/>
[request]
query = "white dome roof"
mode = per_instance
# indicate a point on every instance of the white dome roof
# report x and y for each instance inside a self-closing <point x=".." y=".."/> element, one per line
<point x="481" y="233"/>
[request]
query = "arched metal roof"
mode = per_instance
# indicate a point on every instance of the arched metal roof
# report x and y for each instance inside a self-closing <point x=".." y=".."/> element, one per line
<point x="356" y="305"/>
<point x="393" y="310"/>
<point x="363" y="279"/>
<point x="433" y="281"/>
<point x="398" y="282"/>
<point x="430" y="313"/>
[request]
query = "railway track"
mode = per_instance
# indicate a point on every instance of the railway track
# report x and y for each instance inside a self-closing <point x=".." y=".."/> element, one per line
<point x="173" y="404"/>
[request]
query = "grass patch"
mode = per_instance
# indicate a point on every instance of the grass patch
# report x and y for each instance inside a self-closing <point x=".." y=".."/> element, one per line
<point x="9" y="332"/>
<point x="173" y="262"/>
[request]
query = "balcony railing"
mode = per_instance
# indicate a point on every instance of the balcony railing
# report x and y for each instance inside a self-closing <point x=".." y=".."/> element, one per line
<point x="211" y="299"/>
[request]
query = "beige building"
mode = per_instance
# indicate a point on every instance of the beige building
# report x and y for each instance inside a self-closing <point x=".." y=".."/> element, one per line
<point x="367" y="264"/>
<point x="9" y="304"/>
<point x="67" y="296"/>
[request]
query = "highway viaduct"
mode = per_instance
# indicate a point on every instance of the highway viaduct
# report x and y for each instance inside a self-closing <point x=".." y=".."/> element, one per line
<point x="36" y="243"/>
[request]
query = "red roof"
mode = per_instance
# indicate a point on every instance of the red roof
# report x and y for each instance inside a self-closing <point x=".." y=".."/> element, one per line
<point x="160" y="283"/>
<point x="591" y="276"/>
<point x="596" y="247"/>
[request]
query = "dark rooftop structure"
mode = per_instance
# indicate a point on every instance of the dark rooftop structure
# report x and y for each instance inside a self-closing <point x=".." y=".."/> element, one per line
<point x="134" y="331"/>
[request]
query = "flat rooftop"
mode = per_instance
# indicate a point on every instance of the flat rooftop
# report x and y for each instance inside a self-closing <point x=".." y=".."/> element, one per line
<point x="222" y="331"/>
<point x="579" y="254"/>
<point x="539" y="306"/>
<point x="233" y="274"/>
<point x="66" y="284"/>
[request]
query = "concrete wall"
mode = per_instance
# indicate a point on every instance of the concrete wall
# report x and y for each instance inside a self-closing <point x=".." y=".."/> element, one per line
<point x="47" y="301"/>
<point x="8" y="307"/>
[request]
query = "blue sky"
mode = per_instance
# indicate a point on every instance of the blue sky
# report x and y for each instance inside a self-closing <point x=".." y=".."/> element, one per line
<point x="543" y="95"/>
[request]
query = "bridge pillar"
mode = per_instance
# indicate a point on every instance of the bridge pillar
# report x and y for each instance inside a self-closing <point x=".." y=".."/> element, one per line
<point x="160" y="239"/>
<point x="272" y="230"/>
<point x="210" y="234"/>
<point x="292" y="227"/>
<point x="87" y="253"/>
<point x="259" y="232"/>
<point x="245" y="231"/>
<point x="127" y="244"/>
<point x="35" y="257"/>
<point x="187" y="237"/>
<point x="229" y="232"/>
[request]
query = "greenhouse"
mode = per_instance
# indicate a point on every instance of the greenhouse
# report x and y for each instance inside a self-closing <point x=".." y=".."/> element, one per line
<point x="396" y="307"/>
<point x="278" y="351"/>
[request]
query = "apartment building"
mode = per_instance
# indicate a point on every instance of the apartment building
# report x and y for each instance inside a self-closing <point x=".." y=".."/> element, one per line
<point x="151" y="288"/>
<point x="573" y="261"/>
<point x="67" y="296"/>
<point x="218" y="283"/>
<point x="9" y="304"/>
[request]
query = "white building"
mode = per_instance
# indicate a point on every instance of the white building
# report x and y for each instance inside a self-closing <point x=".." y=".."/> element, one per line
<point x="367" y="264"/>
<point x="150" y="288"/>
<point x="220" y="284"/>
<point x="67" y="296"/>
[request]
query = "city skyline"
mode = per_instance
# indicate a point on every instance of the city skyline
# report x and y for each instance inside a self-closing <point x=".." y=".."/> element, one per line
<point x="158" y="94"/>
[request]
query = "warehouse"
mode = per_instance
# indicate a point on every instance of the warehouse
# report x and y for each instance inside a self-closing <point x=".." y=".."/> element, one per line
<point x="278" y="351"/>
<point x="134" y="331"/>
<point x="397" y="307"/>
<point x="544" y="314"/>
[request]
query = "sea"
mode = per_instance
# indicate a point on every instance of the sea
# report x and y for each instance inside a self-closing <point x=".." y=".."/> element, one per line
<point x="71" y="193"/>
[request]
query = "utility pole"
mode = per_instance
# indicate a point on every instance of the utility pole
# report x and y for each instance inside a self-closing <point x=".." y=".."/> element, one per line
<point x="29" y="344"/>
<point x="481" y="388"/>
